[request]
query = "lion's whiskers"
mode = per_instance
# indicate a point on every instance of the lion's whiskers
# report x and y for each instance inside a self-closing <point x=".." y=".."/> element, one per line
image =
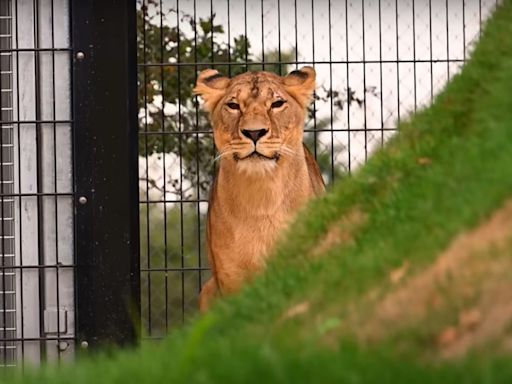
<point x="286" y="150"/>
<point x="223" y="153"/>
<point x="283" y="150"/>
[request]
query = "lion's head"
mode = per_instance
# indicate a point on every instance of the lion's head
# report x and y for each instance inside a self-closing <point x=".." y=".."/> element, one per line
<point x="257" y="117"/>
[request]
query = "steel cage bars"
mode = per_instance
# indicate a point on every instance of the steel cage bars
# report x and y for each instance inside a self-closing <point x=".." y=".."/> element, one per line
<point x="37" y="243"/>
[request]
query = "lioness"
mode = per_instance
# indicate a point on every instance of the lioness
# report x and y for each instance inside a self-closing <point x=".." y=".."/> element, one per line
<point x="265" y="171"/>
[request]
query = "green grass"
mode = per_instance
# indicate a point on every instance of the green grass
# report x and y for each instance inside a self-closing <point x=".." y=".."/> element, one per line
<point x="413" y="212"/>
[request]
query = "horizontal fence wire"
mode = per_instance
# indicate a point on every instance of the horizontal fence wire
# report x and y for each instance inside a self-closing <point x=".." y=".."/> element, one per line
<point x="377" y="63"/>
<point x="34" y="50"/>
<point x="53" y="267"/>
<point x="280" y="63"/>
<point x="37" y="124"/>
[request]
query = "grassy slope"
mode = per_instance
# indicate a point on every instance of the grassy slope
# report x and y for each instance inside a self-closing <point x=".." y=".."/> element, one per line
<point x="413" y="210"/>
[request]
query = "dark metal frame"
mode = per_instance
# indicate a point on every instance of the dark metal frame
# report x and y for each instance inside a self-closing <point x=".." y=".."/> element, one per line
<point x="106" y="171"/>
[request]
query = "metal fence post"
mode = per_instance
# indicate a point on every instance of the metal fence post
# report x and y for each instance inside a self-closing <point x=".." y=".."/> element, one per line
<point x="106" y="171"/>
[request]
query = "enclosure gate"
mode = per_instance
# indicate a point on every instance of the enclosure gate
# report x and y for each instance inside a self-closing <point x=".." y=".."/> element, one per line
<point x="69" y="230"/>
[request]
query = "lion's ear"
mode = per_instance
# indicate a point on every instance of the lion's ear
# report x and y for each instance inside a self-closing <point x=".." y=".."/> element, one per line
<point x="211" y="86"/>
<point x="301" y="84"/>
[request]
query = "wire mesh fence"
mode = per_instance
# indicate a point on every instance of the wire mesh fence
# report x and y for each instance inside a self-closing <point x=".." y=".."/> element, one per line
<point x="377" y="62"/>
<point x="36" y="253"/>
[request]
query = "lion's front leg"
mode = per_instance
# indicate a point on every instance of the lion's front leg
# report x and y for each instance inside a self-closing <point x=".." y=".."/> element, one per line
<point x="207" y="295"/>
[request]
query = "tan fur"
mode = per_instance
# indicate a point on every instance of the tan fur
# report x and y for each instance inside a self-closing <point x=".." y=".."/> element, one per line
<point x="255" y="197"/>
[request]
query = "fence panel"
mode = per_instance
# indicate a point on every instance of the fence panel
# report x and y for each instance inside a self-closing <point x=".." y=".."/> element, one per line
<point x="37" y="303"/>
<point x="377" y="62"/>
<point x="69" y="260"/>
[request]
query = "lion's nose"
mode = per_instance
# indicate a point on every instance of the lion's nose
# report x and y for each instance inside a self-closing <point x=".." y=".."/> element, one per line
<point x="254" y="134"/>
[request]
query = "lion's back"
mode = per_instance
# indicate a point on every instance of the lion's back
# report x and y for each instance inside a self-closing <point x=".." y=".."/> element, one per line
<point x="315" y="175"/>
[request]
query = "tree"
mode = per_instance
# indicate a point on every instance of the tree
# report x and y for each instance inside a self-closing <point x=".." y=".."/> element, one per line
<point x="172" y="121"/>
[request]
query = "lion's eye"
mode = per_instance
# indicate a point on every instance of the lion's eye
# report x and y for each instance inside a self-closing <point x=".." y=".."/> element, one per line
<point x="278" y="103"/>
<point x="234" y="106"/>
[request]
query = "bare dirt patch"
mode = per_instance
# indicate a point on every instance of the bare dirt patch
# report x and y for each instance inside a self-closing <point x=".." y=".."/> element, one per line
<point x="496" y="309"/>
<point x="475" y="268"/>
<point x="296" y="310"/>
<point x="341" y="232"/>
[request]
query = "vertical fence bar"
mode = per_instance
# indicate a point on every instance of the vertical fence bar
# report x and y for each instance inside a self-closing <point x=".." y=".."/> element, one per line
<point x="331" y="106"/>
<point x="414" y="56"/>
<point x="348" y="90"/>
<point x="279" y="55"/>
<point x="397" y="63"/>
<point x="315" y="132"/>
<point x="296" y="35"/>
<point x="162" y="116"/>
<point x="365" y="117"/>
<point x="464" y="30"/>
<point x="106" y="203"/>
<point x="229" y="48"/>
<point x="198" y="181"/>
<point x="246" y="48"/>
<point x="149" y="323"/>
<point x="263" y="37"/>
<point x="381" y="81"/>
<point x="39" y="175"/>
<point x="16" y="83"/>
<point x="431" y="46"/>
<point x="180" y="146"/>
<point x="447" y="10"/>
